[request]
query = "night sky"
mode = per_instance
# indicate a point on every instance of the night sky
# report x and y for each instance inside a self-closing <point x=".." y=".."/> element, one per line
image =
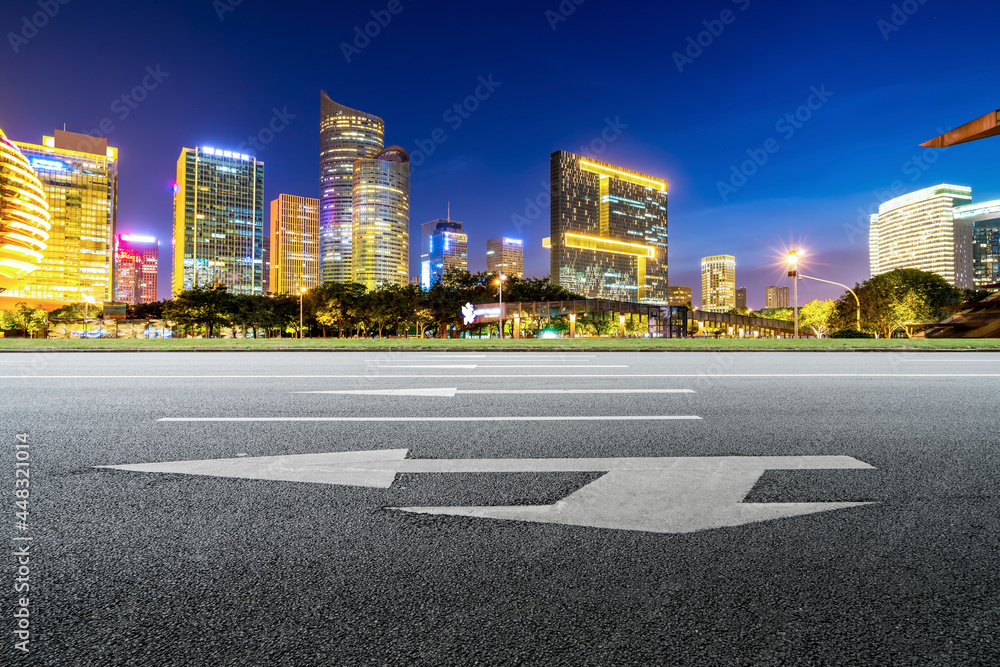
<point x="560" y="78"/>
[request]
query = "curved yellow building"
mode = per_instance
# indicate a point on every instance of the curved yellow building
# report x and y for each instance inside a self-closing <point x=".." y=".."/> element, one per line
<point x="24" y="217"/>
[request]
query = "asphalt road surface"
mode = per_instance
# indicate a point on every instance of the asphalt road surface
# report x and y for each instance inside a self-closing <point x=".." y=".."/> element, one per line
<point x="501" y="509"/>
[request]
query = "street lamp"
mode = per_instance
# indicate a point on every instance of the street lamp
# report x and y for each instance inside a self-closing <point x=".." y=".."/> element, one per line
<point x="499" y="281"/>
<point x="87" y="300"/>
<point x="793" y="272"/>
<point x="302" y="290"/>
<point x="621" y="321"/>
<point x="830" y="282"/>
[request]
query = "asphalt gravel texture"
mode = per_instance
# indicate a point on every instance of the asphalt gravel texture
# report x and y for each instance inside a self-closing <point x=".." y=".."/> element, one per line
<point x="135" y="568"/>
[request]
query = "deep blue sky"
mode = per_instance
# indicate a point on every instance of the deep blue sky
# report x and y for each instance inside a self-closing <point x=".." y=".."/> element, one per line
<point x="606" y="60"/>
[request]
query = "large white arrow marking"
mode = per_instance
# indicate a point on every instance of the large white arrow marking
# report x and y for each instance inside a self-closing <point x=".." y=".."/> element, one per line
<point x="659" y="495"/>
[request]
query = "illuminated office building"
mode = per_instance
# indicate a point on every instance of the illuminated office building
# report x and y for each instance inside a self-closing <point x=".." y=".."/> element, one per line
<point x="718" y="283"/>
<point x="608" y="230"/>
<point x="137" y="260"/>
<point x="443" y="245"/>
<point x="920" y="231"/>
<point x="380" y="253"/>
<point x="505" y="256"/>
<point x="294" y="244"/>
<point x="24" y="218"/>
<point x="218" y="221"/>
<point x="777" y="297"/>
<point x="985" y="220"/>
<point x="345" y="135"/>
<point x="680" y="295"/>
<point x="79" y="175"/>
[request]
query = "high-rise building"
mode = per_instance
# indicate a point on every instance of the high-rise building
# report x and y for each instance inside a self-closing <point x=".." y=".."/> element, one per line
<point x="920" y="231"/>
<point x="294" y="244"/>
<point x="608" y="230"/>
<point x="218" y="221"/>
<point x="680" y="295"/>
<point x="345" y="135"/>
<point x="24" y="218"/>
<point x="777" y="297"/>
<point x="380" y="254"/>
<point x="443" y="245"/>
<point x="718" y="283"/>
<point x="505" y="256"/>
<point x="79" y="174"/>
<point x="741" y="298"/>
<point x="137" y="260"/>
<point x="985" y="218"/>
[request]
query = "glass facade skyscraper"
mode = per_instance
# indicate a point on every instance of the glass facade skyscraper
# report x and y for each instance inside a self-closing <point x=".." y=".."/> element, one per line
<point x="920" y="231"/>
<point x="345" y="135"/>
<point x="24" y="218"/>
<point x="137" y="260"/>
<point x="79" y="174"/>
<point x="294" y="244"/>
<point x="985" y="218"/>
<point x="718" y="283"/>
<point x="218" y="221"/>
<point x="381" y="203"/>
<point x="608" y="230"/>
<point x="443" y="245"/>
<point x="505" y="256"/>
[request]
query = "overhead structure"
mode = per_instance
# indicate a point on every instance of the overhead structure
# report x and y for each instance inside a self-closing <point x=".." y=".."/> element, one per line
<point x="24" y="217"/>
<point x="981" y="128"/>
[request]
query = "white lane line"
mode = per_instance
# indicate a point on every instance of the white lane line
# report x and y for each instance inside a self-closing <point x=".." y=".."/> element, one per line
<point x="952" y="361"/>
<point x="474" y="366"/>
<point x="493" y="376"/>
<point x="19" y="361"/>
<point x="435" y="419"/>
<point x="450" y="392"/>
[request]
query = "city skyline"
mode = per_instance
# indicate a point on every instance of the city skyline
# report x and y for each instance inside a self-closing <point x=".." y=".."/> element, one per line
<point x="853" y="153"/>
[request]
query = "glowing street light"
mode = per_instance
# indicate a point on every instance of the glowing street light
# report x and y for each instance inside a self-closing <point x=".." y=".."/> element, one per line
<point x="302" y="290"/>
<point x="87" y="300"/>
<point x="621" y="321"/>
<point x="499" y="281"/>
<point x="793" y="273"/>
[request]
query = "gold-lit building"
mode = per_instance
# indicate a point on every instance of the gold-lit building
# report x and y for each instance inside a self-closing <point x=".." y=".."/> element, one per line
<point x="79" y="175"/>
<point x="680" y="295"/>
<point x="505" y="256"/>
<point x="718" y="283"/>
<point x="381" y="250"/>
<point x="24" y="218"/>
<point x="345" y="135"/>
<point x="608" y="230"/>
<point x="294" y="244"/>
<point x="218" y="221"/>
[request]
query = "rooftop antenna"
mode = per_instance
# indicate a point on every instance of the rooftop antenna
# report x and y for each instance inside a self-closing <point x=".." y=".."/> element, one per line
<point x="449" y="211"/>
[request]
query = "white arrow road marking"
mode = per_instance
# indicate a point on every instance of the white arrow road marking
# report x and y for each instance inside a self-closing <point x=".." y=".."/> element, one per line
<point x="450" y="393"/>
<point x="658" y="495"/>
<point x="527" y="418"/>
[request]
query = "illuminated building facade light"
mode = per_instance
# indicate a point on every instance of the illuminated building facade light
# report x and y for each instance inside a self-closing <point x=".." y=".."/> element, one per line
<point x="345" y="135"/>
<point x="79" y="176"/>
<point x="218" y="232"/>
<point x="381" y="227"/>
<point x="137" y="261"/>
<point x="985" y="218"/>
<point x="680" y="295"/>
<point x="505" y="256"/>
<point x="921" y="231"/>
<point x="718" y="283"/>
<point x="294" y="244"/>
<point x="443" y="245"/>
<point x="608" y="230"/>
<point x="24" y="217"/>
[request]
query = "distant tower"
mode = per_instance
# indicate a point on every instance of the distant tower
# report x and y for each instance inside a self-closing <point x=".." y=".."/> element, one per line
<point x="381" y="249"/>
<point x="294" y="243"/>
<point x="505" y="256"/>
<point x="741" y="298"/>
<point x="718" y="283"/>
<point x="345" y="135"/>
<point x="443" y="245"/>
<point x="137" y="264"/>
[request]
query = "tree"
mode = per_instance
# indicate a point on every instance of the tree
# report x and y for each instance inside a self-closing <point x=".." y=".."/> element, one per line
<point x="900" y="299"/>
<point x="28" y="319"/>
<point x="818" y="316"/>
<point x="201" y="306"/>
